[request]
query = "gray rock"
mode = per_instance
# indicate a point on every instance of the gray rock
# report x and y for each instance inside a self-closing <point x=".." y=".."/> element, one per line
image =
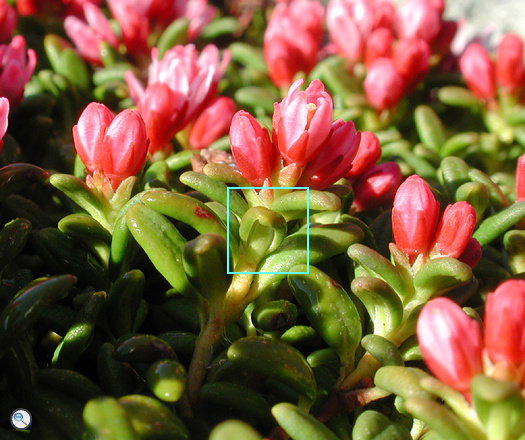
<point x="489" y="19"/>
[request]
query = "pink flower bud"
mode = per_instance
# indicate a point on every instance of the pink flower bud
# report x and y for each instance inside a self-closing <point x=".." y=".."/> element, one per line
<point x="454" y="230"/>
<point x="504" y="318"/>
<point x="479" y="72"/>
<point x="253" y="151"/>
<point x="510" y="72"/>
<point x="450" y="342"/>
<point x="134" y="26"/>
<point x="367" y="155"/>
<point x="415" y="216"/>
<point x="189" y="75"/>
<point x="4" y="114"/>
<point x="384" y="85"/>
<point x="198" y="12"/>
<point x="212" y="123"/>
<point x="52" y="8"/>
<point x="292" y="39"/>
<point x="441" y="44"/>
<point x="87" y="37"/>
<point x="376" y="187"/>
<point x="472" y="253"/>
<point x="180" y="85"/>
<point x="302" y="122"/>
<point x="335" y="158"/>
<point x="163" y="112"/>
<point x="115" y="146"/>
<point x="7" y="21"/>
<point x="379" y="44"/>
<point x="520" y="179"/>
<point x="418" y="19"/>
<point x="384" y="15"/>
<point x="16" y="67"/>
<point x="349" y="24"/>
<point x="410" y="58"/>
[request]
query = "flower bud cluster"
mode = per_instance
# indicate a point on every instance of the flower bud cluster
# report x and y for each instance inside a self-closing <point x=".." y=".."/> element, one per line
<point x="307" y="148"/>
<point x="292" y="40"/>
<point x="422" y="233"/>
<point x="487" y="78"/>
<point x="88" y="27"/>
<point x="395" y="45"/>
<point x="456" y="350"/>
<point x="181" y="89"/>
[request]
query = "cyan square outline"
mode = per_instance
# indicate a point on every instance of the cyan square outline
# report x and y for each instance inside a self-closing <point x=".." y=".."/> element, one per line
<point x="307" y="228"/>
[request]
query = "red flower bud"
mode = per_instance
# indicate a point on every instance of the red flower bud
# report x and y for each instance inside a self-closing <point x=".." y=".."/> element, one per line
<point x="116" y="146"/>
<point x="384" y="15"/>
<point x="479" y="72"/>
<point x="4" y="113"/>
<point x="376" y="187"/>
<point x="252" y="150"/>
<point x="450" y="342"/>
<point x="410" y="58"/>
<point x="87" y="37"/>
<point x="418" y="19"/>
<point x="472" y="253"/>
<point x="212" y="123"/>
<point x="504" y="318"/>
<point x="367" y="155"/>
<point x="454" y="230"/>
<point x="510" y="72"/>
<point x="292" y="39"/>
<point x="384" y="85"/>
<point x="379" y="44"/>
<point x="16" y="67"/>
<point x="7" y="21"/>
<point x="520" y="179"/>
<point x="302" y="122"/>
<point x="163" y="111"/>
<point x="335" y="158"/>
<point x="415" y="215"/>
<point x="134" y="26"/>
<point x="349" y="25"/>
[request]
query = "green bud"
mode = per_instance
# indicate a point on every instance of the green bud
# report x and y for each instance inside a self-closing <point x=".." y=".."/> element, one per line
<point x="498" y="403"/>
<point x="514" y="242"/>
<point x="458" y="97"/>
<point x="230" y="429"/>
<point x="176" y="33"/>
<point x="167" y="379"/>
<point x="142" y="349"/>
<point x="261" y="231"/>
<point x="477" y="195"/>
<point x="330" y="311"/>
<point x="402" y="381"/>
<point x="205" y="260"/>
<point x="438" y="417"/>
<point x="382" y="303"/>
<point x="429" y="127"/>
<point x="240" y="400"/>
<point x="382" y="349"/>
<point x="299" y="424"/>
<point x="457" y="143"/>
<point x="439" y="275"/>
<point x="372" y="425"/>
<point x="142" y="410"/>
<point x="277" y="315"/>
<point x="108" y="419"/>
<point x="258" y="355"/>
<point x="256" y="97"/>
<point x="499" y="223"/>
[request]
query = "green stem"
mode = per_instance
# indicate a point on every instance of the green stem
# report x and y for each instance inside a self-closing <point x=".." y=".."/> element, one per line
<point x="365" y="369"/>
<point x="208" y="338"/>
